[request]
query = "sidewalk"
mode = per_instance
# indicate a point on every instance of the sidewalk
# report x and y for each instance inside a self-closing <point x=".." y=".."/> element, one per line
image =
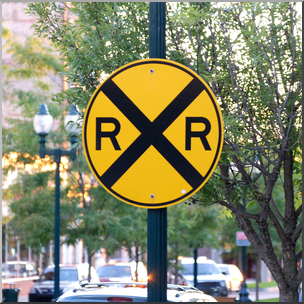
<point x="23" y="299"/>
<point x="263" y="293"/>
<point x="249" y="281"/>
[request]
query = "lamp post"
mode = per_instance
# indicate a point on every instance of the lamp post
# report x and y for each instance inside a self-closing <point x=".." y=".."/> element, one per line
<point x="243" y="292"/>
<point x="42" y="124"/>
<point x="244" y="249"/>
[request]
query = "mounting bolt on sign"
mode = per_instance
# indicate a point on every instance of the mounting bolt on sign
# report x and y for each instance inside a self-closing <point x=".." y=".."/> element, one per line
<point x="153" y="133"/>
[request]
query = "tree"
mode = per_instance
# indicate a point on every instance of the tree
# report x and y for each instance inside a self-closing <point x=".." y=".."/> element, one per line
<point x="92" y="215"/>
<point x="97" y="39"/>
<point x="229" y="228"/>
<point x="35" y="60"/>
<point x="187" y="232"/>
<point x="32" y="206"/>
<point x="30" y="196"/>
<point x="250" y="54"/>
<point x="132" y="232"/>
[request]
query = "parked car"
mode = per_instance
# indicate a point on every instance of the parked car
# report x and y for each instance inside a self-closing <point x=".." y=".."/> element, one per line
<point x="233" y="276"/>
<point x="70" y="276"/>
<point x="120" y="271"/>
<point x="110" y="292"/>
<point x="209" y="278"/>
<point x="26" y="269"/>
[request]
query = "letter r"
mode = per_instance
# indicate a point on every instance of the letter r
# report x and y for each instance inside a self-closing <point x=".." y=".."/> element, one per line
<point x="201" y="134"/>
<point x="111" y="134"/>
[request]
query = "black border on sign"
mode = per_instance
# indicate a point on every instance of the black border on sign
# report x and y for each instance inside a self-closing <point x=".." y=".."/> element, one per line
<point x="181" y="198"/>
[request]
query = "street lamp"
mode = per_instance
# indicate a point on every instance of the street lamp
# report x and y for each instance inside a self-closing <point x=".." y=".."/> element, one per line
<point x="42" y="124"/>
<point x="243" y="292"/>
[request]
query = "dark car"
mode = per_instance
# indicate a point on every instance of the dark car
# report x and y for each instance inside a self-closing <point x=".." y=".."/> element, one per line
<point x="70" y="276"/>
<point x="113" y="292"/>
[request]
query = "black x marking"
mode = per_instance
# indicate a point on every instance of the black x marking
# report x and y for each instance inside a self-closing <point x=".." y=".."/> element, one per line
<point x="152" y="133"/>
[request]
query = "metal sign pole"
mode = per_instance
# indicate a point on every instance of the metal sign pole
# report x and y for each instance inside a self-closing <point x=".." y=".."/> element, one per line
<point x="157" y="30"/>
<point x="157" y="218"/>
<point x="195" y="268"/>
<point x="157" y="255"/>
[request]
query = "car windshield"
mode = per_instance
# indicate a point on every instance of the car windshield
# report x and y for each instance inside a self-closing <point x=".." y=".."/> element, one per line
<point x="114" y="271"/>
<point x="223" y="269"/>
<point x="65" y="275"/>
<point x="202" y="269"/>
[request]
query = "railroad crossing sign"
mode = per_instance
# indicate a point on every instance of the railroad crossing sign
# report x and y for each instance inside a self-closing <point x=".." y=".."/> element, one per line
<point x="153" y="133"/>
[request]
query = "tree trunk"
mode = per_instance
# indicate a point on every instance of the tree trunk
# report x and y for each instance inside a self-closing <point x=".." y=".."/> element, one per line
<point x="289" y="290"/>
<point x="90" y="264"/>
<point x="284" y="276"/>
<point x="46" y="257"/>
<point x="136" y="260"/>
<point x="257" y="276"/>
<point x="289" y="295"/>
<point x="175" y="271"/>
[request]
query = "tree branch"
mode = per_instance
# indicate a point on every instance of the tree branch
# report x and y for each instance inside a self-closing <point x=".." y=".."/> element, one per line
<point x="273" y="204"/>
<point x="277" y="225"/>
<point x="299" y="256"/>
<point x="99" y="35"/>
<point x="298" y="211"/>
<point x="297" y="232"/>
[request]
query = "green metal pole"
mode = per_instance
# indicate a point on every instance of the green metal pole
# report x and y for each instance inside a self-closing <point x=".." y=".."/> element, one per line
<point x="244" y="249"/>
<point x="195" y="268"/>
<point x="157" y="218"/>
<point x="157" y="30"/>
<point x="157" y="255"/>
<point x="57" y="159"/>
<point x="243" y="291"/>
<point x="244" y="262"/>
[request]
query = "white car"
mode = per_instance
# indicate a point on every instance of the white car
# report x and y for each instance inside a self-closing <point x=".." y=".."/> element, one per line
<point x="112" y="292"/>
<point x="233" y="276"/>
<point x="26" y="269"/>
<point x="209" y="278"/>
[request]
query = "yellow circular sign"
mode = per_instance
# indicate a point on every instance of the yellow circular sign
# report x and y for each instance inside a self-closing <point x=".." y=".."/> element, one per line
<point x="153" y="133"/>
